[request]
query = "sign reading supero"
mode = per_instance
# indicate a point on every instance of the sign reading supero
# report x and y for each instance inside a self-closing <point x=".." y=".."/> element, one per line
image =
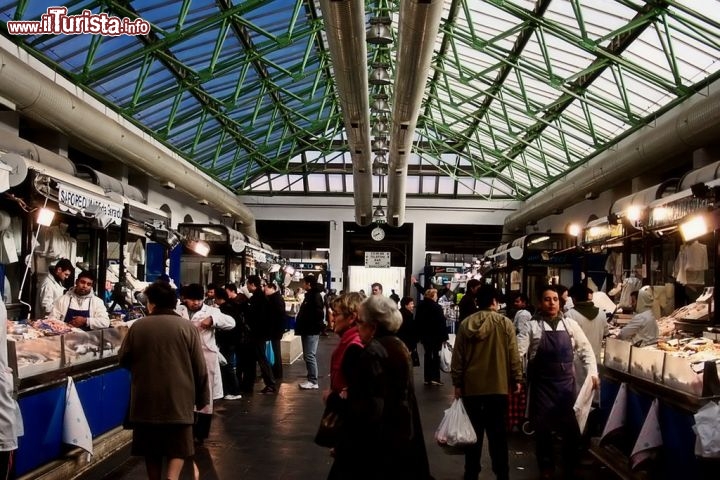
<point x="76" y="199"/>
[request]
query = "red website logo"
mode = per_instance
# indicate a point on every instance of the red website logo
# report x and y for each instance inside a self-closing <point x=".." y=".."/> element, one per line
<point x="56" y="21"/>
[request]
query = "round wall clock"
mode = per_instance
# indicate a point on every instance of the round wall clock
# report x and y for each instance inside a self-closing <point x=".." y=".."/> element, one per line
<point x="377" y="234"/>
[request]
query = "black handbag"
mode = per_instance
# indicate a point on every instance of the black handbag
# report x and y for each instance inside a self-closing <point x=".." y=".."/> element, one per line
<point x="329" y="430"/>
<point x="332" y="421"/>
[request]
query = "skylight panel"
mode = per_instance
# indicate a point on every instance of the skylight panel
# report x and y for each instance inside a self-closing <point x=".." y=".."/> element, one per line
<point x="446" y="186"/>
<point x="280" y="183"/>
<point x="316" y="182"/>
<point x="429" y="184"/>
<point x="335" y="183"/>
<point x="412" y="185"/>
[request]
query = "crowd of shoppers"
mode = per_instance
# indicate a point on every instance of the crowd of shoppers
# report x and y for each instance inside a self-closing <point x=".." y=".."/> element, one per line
<point x="371" y="378"/>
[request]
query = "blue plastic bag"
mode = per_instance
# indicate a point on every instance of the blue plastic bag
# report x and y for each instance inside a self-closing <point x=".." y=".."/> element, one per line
<point x="269" y="353"/>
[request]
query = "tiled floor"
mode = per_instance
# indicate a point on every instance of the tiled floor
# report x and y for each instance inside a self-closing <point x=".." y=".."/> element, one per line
<point x="271" y="437"/>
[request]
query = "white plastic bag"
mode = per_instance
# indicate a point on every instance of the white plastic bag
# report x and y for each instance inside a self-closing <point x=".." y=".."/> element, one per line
<point x="455" y="429"/>
<point x="445" y="357"/>
<point x="707" y="430"/>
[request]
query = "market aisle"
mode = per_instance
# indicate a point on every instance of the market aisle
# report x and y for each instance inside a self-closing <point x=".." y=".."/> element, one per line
<point x="270" y="437"/>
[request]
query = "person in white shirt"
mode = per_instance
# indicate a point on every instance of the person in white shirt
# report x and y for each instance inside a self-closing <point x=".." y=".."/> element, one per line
<point x="551" y="342"/>
<point x="593" y="322"/>
<point x="643" y="328"/>
<point x="11" y="425"/>
<point x="52" y="287"/>
<point x="80" y="307"/>
<point x="207" y="319"/>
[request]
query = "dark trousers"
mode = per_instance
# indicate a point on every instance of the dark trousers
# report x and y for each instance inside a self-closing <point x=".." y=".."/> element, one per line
<point x="228" y="371"/>
<point x="569" y="433"/>
<point x="7" y="465"/>
<point x="201" y="428"/>
<point x="277" y="369"/>
<point x="245" y="370"/>
<point x="265" y="368"/>
<point x="432" y="363"/>
<point x="487" y="414"/>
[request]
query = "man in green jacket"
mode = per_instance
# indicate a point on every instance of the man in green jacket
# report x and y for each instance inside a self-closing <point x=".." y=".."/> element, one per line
<point x="485" y="361"/>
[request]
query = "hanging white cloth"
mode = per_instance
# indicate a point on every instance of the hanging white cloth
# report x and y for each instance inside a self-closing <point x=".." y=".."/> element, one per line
<point x="613" y="265"/>
<point x="691" y="264"/>
<point x="76" y="430"/>
<point x="136" y="255"/>
<point x="650" y="438"/>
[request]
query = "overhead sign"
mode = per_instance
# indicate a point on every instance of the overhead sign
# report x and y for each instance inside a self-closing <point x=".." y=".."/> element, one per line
<point x="377" y="259"/>
<point x="79" y="200"/>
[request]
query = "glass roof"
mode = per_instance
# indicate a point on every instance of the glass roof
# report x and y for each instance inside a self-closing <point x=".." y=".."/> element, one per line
<point x="519" y="92"/>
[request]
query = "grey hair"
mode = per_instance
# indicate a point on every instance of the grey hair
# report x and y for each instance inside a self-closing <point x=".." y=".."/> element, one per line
<point x="381" y="312"/>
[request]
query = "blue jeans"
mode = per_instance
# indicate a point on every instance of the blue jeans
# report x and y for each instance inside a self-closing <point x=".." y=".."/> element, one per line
<point x="309" y="346"/>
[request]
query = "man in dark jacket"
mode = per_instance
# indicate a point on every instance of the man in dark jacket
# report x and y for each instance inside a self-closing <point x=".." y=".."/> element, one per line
<point x="309" y="324"/>
<point x="468" y="305"/>
<point x="432" y="331"/>
<point x="257" y="316"/>
<point x="276" y="319"/>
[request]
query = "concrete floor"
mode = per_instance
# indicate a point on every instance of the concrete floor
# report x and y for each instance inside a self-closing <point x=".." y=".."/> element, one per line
<point x="271" y="437"/>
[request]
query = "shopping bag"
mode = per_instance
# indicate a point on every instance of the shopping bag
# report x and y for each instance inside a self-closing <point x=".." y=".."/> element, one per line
<point x="329" y="429"/>
<point x="332" y="421"/>
<point x="269" y="353"/>
<point x="445" y="357"/>
<point x="455" y="430"/>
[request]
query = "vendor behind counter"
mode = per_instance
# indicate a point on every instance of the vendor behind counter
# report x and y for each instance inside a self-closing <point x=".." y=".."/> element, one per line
<point x="80" y="307"/>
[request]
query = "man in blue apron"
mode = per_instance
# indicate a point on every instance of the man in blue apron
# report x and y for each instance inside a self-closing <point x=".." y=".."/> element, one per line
<point x="551" y="342"/>
<point x="80" y="307"/>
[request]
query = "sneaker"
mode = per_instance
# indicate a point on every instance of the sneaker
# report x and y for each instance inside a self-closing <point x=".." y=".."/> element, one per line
<point x="268" y="390"/>
<point x="437" y="383"/>
<point x="232" y="397"/>
<point x="308" y="386"/>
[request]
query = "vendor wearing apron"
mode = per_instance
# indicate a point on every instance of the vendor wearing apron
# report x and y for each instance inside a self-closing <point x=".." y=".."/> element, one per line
<point x="551" y="342"/>
<point x="80" y="307"/>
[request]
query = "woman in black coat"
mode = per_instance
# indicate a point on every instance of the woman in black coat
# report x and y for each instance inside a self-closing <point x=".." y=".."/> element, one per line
<point x="432" y="330"/>
<point x="383" y="436"/>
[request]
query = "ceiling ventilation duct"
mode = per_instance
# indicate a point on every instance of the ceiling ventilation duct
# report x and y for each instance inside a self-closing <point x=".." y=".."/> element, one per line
<point x="690" y="125"/>
<point x="41" y="95"/>
<point x="345" y="28"/>
<point x="418" y="28"/>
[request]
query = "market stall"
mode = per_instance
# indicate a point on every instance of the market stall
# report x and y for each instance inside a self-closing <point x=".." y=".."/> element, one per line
<point x="656" y="388"/>
<point x="533" y="260"/>
<point x="215" y="253"/>
<point x="69" y="382"/>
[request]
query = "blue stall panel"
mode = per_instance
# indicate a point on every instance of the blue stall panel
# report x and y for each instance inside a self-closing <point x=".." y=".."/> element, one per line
<point x="43" y="421"/>
<point x="116" y="398"/>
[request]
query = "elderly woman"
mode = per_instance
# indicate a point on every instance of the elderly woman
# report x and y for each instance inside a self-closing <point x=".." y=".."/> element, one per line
<point x="383" y="437"/>
<point x="551" y="341"/>
<point x="643" y="328"/>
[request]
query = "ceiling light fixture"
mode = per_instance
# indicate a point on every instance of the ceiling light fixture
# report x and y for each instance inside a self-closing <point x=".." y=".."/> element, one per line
<point x="379" y="32"/>
<point x="379" y="74"/>
<point x="380" y="103"/>
<point x="380" y="128"/>
<point x="380" y="145"/>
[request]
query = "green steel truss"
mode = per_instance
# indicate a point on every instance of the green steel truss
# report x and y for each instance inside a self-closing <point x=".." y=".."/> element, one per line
<point x="519" y="92"/>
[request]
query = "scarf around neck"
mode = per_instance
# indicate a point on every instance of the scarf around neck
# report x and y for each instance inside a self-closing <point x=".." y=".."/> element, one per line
<point x="351" y="336"/>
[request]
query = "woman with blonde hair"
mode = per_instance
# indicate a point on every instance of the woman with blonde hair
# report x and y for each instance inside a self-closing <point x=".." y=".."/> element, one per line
<point x="383" y="437"/>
